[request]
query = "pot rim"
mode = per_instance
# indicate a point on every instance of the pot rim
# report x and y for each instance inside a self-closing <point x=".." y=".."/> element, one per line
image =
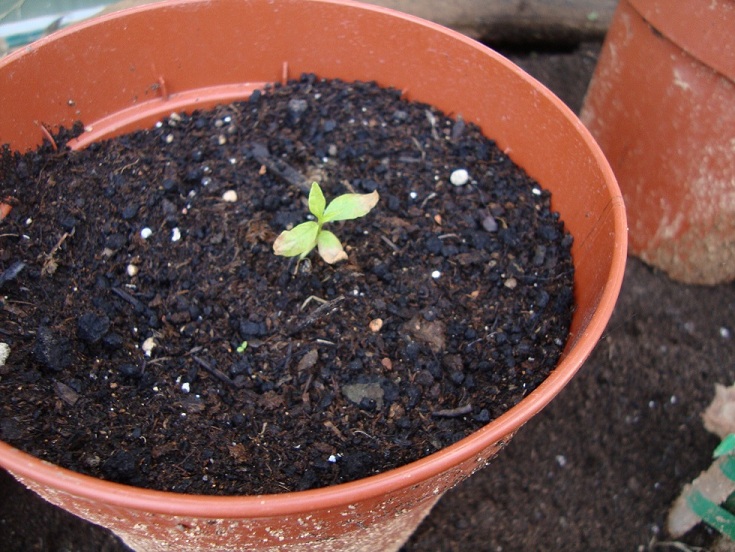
<point x="578" y="349"/>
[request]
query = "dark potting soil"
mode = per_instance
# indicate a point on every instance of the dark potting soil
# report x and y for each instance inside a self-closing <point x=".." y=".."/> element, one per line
<point x="125" y="353"/>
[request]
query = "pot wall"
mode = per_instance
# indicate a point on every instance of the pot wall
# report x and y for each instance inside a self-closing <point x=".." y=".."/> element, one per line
<point x="660" y="104"/>
<point x="150" y="61"/>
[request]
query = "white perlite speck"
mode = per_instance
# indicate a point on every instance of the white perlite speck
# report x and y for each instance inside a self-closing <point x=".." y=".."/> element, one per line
<point x="230" y="196"/>
<point x="148" y="346"/>
<point x="4" y="353"/>
<point x="146" y="233"/>
<point x="175" y="235"/>
<point x="459" y="177"/>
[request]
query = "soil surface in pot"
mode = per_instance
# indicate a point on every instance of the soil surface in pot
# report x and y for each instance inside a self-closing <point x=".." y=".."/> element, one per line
<point x="133" y="272"/>
<point x="597" y="469"/>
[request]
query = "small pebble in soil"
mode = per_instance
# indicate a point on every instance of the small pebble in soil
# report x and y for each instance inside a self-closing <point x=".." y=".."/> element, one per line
<point x="132" y="270"/>
<point x="539" y="254"/>
<point x="230" y="196"/>
<point x="129" y="212"/>
<point x="490" y="224"/>
<point x="459" y="177"/>
<point x="92" y="327"/>
<point x="52" y="351"/>
<point x="376" y="324"/>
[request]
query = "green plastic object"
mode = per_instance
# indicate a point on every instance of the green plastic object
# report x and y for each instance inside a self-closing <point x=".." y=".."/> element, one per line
<point x="725" y="447"/>
<point x="712" y="514"/>
<point x="728" y="468"/>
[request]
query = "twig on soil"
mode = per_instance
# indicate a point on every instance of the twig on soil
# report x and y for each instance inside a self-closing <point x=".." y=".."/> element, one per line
<point x="287" y="357"/>
<point x="50" y="265"/>
<point x="305" y="393"/>
<point x="137" y="304"/>
<point x="48" y="136"/>
<point x="311" y="298"/>
<point x="392" y="245"/>
<point x="428" y="198"/>
<point x="280" y="168"/>
<point x="418" y="144"/>
<point x="322" y="310"/>
<point x="432" y="121"/>
<point x="453" y="412"/>
<point x="334" y="429"/>
<point x="214" y="371"/>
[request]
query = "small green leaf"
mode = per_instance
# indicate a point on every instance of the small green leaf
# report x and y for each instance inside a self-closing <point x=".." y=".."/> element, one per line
<point x="726" y="446"/>
<point x="316" y="201"/>
<point x="298" y="241"/>
<point x="350" y="206"/>
<point x="330" y="249"/>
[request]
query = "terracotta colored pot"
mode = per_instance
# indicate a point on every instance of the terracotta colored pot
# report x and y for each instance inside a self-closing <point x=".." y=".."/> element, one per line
<point x="129" y="69"/>
<point x="661" y="105"/>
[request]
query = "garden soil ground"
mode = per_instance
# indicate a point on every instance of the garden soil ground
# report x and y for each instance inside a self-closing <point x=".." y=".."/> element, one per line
<point x="597" y="470"/>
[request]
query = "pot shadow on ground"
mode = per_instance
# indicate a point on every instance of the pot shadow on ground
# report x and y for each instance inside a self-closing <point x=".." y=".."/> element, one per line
<point x="597" y="469"/>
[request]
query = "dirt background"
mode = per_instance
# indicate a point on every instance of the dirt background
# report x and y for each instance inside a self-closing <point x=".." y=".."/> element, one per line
<point x="598" y="468"/>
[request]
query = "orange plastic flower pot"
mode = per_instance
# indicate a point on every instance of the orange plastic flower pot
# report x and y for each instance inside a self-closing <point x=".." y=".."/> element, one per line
<point x="661" y="105"/>
<point x="129" y="69"/>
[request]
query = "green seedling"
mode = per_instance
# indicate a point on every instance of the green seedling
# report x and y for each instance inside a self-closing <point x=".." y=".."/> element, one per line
<point x="241" y="348"/>
<point x="300" y="240"/>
